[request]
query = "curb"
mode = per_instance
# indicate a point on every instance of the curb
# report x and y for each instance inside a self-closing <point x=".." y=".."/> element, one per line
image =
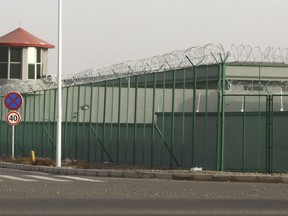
<point x="193" y="176"/>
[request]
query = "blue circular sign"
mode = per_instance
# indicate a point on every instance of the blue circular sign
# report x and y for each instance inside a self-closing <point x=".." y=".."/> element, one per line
<point x="13" y="100"/>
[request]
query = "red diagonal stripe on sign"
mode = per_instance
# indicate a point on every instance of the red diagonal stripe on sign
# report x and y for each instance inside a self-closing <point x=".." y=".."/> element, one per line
<point x="13" y="100"/>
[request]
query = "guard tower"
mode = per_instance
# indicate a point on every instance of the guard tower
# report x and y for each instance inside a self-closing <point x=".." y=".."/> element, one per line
<point x="23" y="56"/>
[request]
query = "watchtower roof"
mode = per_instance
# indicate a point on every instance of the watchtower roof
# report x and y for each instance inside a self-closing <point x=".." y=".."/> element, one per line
<point x="21" y="38"/>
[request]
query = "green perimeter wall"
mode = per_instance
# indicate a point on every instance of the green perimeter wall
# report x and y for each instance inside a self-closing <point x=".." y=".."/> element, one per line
<point x="172" y="119"/>
<point x="245" y="142"/>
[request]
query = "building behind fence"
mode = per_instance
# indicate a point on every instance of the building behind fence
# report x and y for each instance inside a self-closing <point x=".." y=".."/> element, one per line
<point x="201" y="107"/>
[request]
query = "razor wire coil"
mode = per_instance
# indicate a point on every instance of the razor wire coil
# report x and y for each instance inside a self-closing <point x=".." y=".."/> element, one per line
<point x="193" y="56"/>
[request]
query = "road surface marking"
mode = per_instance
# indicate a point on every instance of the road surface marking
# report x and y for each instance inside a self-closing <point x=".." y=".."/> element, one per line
<point x="47" y="178"/>
<point x="81" y="179"/>
<point x="16" y="178"/>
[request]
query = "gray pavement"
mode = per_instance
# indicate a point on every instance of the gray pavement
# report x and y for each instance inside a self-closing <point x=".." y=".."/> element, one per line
<point x="54" y="194"/>
<point x="155" y="174"/>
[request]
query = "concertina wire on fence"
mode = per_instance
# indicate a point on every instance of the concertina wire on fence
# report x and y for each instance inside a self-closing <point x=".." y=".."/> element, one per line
<point x="197" y="55"/>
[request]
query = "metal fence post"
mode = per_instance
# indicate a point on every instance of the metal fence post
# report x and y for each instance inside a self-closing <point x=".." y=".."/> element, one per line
<point x="77" y="124"/>
<point x="64" y="150"/>
<point x="119" y="120"/>
<point x="183" y="117"/>
<point x="223" y="68"/>
<point x="53" y="149"/>
<point x="112" y="117"/>
<point x="127" y="118"/>
<point x="243" y="134"/>
<point x="144" y="119"/>
<point x="25" y="122"/>
<point x="104" y="121"/>
<point x="269" y="129"/>
<point x="172" y="120"/>
<point x="206" y="115"/>
<point x="221" y="118"/>
<point x="153" y="121"/>
<point x="135" y="120"/>
<point x="43" y="125"/>
<point x="90" y="122"/>
<point x="194" y="114"/>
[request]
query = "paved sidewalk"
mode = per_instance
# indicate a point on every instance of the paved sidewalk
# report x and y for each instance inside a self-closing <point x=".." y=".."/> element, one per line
<point x="155" y="174"/>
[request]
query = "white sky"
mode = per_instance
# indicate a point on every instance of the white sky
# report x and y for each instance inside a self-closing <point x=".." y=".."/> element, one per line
<point x="99" y="33"/>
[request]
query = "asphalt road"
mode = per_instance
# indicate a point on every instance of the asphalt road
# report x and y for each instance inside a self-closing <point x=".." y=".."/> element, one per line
<point x="44" y="194"/>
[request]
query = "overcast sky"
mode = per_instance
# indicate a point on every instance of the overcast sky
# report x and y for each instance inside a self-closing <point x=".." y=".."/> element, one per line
<point x="99" y="33"/>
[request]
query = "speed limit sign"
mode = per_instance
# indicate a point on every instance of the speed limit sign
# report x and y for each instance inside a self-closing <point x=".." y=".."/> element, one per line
<point x="13" y="118"/>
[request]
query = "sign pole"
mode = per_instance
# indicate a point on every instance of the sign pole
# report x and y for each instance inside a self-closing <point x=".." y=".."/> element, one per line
<point x="13" y="138"/>
<point x="13" y="101"/>
<point x="59" y="92"/>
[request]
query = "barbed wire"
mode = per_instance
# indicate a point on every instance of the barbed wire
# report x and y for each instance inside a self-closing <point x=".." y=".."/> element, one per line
<point x="254" y="55"/>
<point x="253" y="87"/>
<point x="194" y="56"/>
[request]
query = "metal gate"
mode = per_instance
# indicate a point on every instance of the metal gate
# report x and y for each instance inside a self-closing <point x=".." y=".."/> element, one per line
<point x="255" y="137"/>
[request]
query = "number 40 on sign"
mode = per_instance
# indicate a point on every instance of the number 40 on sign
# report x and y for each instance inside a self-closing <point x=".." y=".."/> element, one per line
<point x="13" y="118"/>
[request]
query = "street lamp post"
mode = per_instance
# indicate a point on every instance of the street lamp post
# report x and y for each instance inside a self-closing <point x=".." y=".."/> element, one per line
<point x="59" y="89"/>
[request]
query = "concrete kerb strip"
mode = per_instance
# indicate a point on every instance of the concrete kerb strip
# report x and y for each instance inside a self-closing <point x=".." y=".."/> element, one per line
<point x="103" y="173"/>
<point x="90" y="172"/>
<point x="117" y="173"/>
<point x="284" y="179"/>
<point x="195" y="176"/>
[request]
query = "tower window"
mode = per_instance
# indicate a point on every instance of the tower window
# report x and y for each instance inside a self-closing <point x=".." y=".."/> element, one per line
<point x="10" y="62"/>
<point x="34" y="63"/>
<point x="39" y="55"/>
<point x="15" y="71"/>
<point x="4" y="54"/>
<point x="16" y="54"/>
<point x="31" y="71"/>
<point x="15" y="62"/>
<point x="3" y="70"/>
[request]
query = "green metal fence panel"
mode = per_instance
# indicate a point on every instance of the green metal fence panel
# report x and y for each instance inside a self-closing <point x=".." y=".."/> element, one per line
<point x="145" y="120"/>
<point x="176" y="118"/>
<point x="245" y="133"/>
<point x="278" y="146"/>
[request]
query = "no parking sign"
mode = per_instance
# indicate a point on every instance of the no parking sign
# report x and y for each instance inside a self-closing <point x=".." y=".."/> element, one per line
<point x="13" y="101"/>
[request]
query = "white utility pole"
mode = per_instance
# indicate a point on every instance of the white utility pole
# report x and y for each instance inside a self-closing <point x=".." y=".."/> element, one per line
<point x="59" y="92"/>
